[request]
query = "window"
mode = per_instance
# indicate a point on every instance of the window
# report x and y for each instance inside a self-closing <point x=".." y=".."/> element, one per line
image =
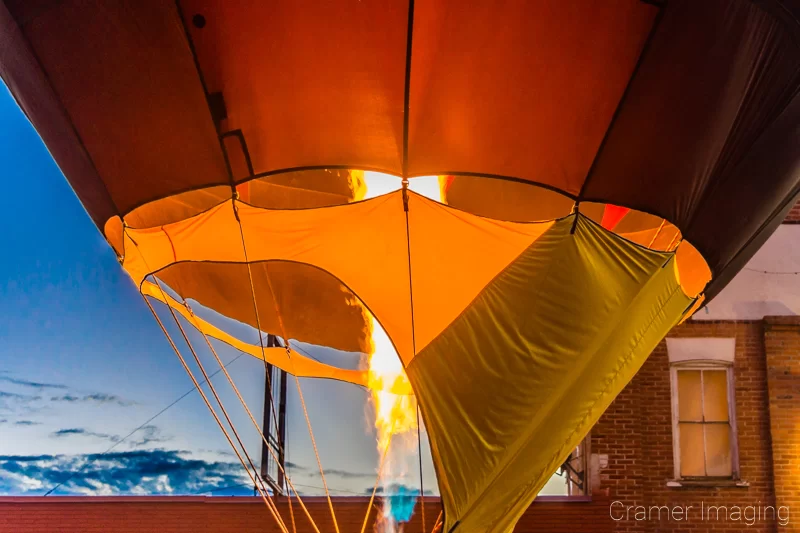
<point x="703" y="421"/>
<point x="571" y="480"/>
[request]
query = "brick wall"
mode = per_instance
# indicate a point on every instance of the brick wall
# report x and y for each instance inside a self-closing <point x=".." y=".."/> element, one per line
<point x="782" y="346"/>
<point x="793" y="217"/>
<point x="636" y="434"/>
<point x="249" y="515"/>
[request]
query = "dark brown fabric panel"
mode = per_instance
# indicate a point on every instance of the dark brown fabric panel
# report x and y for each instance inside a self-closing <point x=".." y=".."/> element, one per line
<point x="717" y="75"/>
<point x="309" y="83"/>
<point x="29" y="85"/>
<point x="729" y="271"/>
<point x="754" y="208"/>
<point x="519" y="88"/>
<point x="314" y="306"/>
<point x="126" y="77"/>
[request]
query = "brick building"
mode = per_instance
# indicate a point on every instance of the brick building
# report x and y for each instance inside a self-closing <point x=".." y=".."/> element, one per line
<point x="639" y="437"/>
<point x="706" y="437"/>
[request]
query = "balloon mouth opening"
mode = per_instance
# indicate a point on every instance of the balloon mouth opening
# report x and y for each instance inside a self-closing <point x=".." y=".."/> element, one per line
<point x="493" y="197"/>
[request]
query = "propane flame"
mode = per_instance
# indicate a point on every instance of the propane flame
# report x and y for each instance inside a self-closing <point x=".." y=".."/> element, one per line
<point x="395" y="415"/>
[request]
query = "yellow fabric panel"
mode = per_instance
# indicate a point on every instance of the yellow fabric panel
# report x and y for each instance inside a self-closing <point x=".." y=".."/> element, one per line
<point x="693" y="271"/>
<point x="293" y="362"/>
<point x="453" y="254"/>
<point x="694" y="307"/>
<point x="523" y="373"/>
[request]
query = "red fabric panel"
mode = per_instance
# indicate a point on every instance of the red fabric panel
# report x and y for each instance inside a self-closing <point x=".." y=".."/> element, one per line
<point x="612" y="215"/>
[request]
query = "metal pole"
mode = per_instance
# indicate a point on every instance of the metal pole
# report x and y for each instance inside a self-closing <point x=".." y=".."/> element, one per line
<point x="282" y="428"/>
<point x="265" y="456"/>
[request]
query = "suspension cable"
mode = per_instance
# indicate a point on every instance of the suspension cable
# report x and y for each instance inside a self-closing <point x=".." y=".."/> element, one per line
<point x="262" y="490"/>
<point x="676" y="240"/>
<point x="140" y="426"/>
<point x="219" y="402"/>
<point x="377" y="479"/>
<point x="267" y="500"/>
<point x="438" y="522"/>
<point x="288" y="351"/>
<point x="421" y="483"/>
<point x="658" y="232"/>
<point x="253" y="420"/>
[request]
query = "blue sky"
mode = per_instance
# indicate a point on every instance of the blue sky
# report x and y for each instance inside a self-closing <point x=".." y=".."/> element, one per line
<point x="83" y="363"/>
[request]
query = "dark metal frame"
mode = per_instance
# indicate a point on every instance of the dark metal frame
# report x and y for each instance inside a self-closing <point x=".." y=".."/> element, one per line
<point x="278" y="441"/>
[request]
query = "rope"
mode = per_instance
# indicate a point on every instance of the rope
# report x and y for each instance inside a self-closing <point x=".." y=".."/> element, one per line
<point x="253" y="420"/>
<point x="377" y="480"/>
<point x="438" y="522"/>
<point x="658" y="232"/>
<point x="221" y="406"/>
<point x="421" y="485"/>
<point x="675" y="241"/>
<point x="291" y="512"/>
<point x="262" y="490"/>
<point x="771" y="272"/>
<point x="286" y="340"/>
<point x="143" y="424"/>
<point x="316" y="453"/>
<point x="267" y="500"/>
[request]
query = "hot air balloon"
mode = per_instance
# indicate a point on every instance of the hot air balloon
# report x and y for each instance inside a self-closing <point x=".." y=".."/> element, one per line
<point x="603" y="168"/>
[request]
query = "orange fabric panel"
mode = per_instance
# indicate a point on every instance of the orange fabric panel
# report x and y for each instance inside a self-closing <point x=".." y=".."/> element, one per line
<point x="691" y="268"/>
<point x="454" y="255"/>
<point x="693" y="271"/>
<point x="507" y="200"/>
<point x="209" y="235"/>
<point x="290" y="297"/>
<point x="519" y="88"/>
<point x="177" y="207"/>
<point x="362" y="244"/>
<point x="661" y="238"/>
<point x="291" y="362"/>
<point x="126" y="78"/>
<point x="637" y="221"/>
<point x="308" y="83"/>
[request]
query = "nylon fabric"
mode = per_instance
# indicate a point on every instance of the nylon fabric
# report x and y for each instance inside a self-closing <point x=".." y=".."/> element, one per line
<point x="362" y="244"/>
<point x="574" y="317"/>
<point x="294" y="363"/>
<point x="688" y="110"/>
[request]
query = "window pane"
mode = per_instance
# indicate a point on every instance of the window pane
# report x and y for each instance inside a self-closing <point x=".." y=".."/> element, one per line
<point x="715" y="388"/>
<point x="689" y="406"/>
<point x="691" y="449"/>
<point x="718" y="449"/>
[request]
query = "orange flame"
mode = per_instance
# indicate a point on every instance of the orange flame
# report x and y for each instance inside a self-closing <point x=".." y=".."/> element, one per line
<point x="395" y="415"/>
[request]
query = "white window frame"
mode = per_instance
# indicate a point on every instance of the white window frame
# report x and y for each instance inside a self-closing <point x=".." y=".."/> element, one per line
<point x="676" y="438"/>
